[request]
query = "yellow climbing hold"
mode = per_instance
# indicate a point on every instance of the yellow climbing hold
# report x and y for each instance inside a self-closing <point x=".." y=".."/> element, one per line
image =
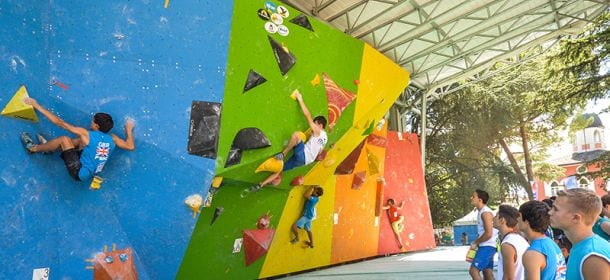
<point x="217" y="181"/>
<point x="17" y="109"/>
<point x="316" y="80"/>
<point x="272" y="165"/>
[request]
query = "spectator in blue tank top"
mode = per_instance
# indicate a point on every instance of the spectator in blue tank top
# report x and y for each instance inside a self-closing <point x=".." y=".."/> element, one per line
<point x="602" y="225"/>
<point x="86" y="154"/>
<point x="543" y="259"/>
<point x="575" y="211"/>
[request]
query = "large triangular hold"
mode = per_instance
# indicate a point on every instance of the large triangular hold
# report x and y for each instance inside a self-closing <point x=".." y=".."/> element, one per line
<point x="349" y="163"/>
<point x="17" y="109"/>
<point x="285" y="60"/>
<point x="338" y="99"/>
<point x="301" y="20"/>
<point x="254" y="79"/>
<point x="118" y="264"/>
<point x="256" y="243"/>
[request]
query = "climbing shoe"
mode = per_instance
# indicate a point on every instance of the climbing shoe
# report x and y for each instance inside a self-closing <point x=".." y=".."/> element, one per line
<point x="27" y="142"/>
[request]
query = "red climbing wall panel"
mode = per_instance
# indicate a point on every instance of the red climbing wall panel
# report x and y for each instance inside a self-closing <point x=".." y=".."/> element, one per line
<point x="405" y="181"/>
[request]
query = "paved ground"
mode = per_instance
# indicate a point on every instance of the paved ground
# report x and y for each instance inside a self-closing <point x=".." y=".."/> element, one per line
<point x="439" y="263"/>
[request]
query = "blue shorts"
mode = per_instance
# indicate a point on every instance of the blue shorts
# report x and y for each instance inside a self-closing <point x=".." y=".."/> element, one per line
<point x="304" y="221"/>
<point x="297" y="159"/>
<point x="484" y="259"/>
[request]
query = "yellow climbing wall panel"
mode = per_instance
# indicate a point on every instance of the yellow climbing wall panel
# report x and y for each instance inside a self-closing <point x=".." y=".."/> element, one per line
<point x="284" y="257"/>
<point x="381" y="82"/>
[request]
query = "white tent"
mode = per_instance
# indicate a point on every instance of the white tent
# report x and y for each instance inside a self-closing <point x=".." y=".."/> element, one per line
<point x="469" y="219"/>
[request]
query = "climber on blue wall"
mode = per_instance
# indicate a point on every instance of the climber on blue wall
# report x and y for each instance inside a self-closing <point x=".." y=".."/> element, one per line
<point x="86" y="154"/>
<point x="303" y="153"/>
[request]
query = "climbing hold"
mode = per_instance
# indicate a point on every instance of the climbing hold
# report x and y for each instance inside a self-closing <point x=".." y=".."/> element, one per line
<point x="285" y="60"/>
<point x="254" y="79"/>
<point x="234" y="157"/>
<point x="217" y="181"/>
<point x="356" y="82"/>
<point x="315" y="81"/>
<point x="322" y="155"/>
<point x="194" y="201"/>
<point x="272" y="165"/>
<point x="105" y="267"/>
<point x="217" y="213"/>
<point x="338" y="99"/>
<point x="256" y="243"/>
<point x="293" y="95"/>
<point x="359" y="179"/>
<point x="301" y="20"/>
<point x="297" y="181"/>
<point x="250" y="138"/>
<point x="373" y="162"/>
<point x="246" y="139"/>
<point x="379" y="195"/>
<point x="349" y="163"/>
<point x="204" y="128"/>
<point x="329" y="160"/>
<point x="16" y="108"/>
<point x="376" y="140"/>
<point x="264" y="221"/>
<point x="208" y="198"/>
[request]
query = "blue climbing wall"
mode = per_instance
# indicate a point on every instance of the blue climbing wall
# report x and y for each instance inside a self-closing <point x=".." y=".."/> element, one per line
<point x="133" y="59"/>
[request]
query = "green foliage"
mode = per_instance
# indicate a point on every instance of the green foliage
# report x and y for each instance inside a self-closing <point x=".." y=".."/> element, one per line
<point x="548" y="172"/>
<point x="581" y="59"/>
<point x="524" y="106"/>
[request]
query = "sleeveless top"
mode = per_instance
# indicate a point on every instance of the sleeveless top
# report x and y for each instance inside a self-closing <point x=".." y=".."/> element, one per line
<point x="555" y="268"/>
<point x="314" y="146"/>
<point x="520" y="245"/>
<point x="393" y="214"/>
<point x="590" y="246"/>
<point x="597" y="228"/>
<point x="95" y="154"/>
<point x="481" y="228"/>
<point x="309" y="209"/>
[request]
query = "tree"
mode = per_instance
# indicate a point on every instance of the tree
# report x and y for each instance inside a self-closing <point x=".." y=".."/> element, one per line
<point x="516" y="113"/>
<point x="584" y="59"/>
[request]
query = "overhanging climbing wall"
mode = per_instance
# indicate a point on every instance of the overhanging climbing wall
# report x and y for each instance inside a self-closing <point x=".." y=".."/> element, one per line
<point x="209" y="85"/>
<point x="148" y="60"/>
<point x="273" y="51"/>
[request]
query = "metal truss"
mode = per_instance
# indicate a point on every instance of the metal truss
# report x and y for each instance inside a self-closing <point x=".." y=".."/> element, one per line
<point x="442" y="42"/>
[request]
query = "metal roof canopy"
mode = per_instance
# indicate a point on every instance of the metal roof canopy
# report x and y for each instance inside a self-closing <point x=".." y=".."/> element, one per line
<point x="442" y="42"/>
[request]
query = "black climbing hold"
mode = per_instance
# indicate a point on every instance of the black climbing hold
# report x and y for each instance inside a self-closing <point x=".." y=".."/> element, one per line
<point x="301" y="20"/>
<point x="285" y="60"/>
<point x="204" y="128"/>
<point x="254" y="79"/>
<point x="246" y="139"/>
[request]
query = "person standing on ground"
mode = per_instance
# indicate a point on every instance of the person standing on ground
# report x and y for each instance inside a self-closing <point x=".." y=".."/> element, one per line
<point x="512" y="244"/>
<point x="485" y="244"/>
<point x="575" y="211"/>
<point x="543" y="259"/>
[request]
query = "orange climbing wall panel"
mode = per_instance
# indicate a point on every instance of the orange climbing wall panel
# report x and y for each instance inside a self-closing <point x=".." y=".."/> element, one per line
<point x="405" y="181"/>
<point x="356" y="233"/>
